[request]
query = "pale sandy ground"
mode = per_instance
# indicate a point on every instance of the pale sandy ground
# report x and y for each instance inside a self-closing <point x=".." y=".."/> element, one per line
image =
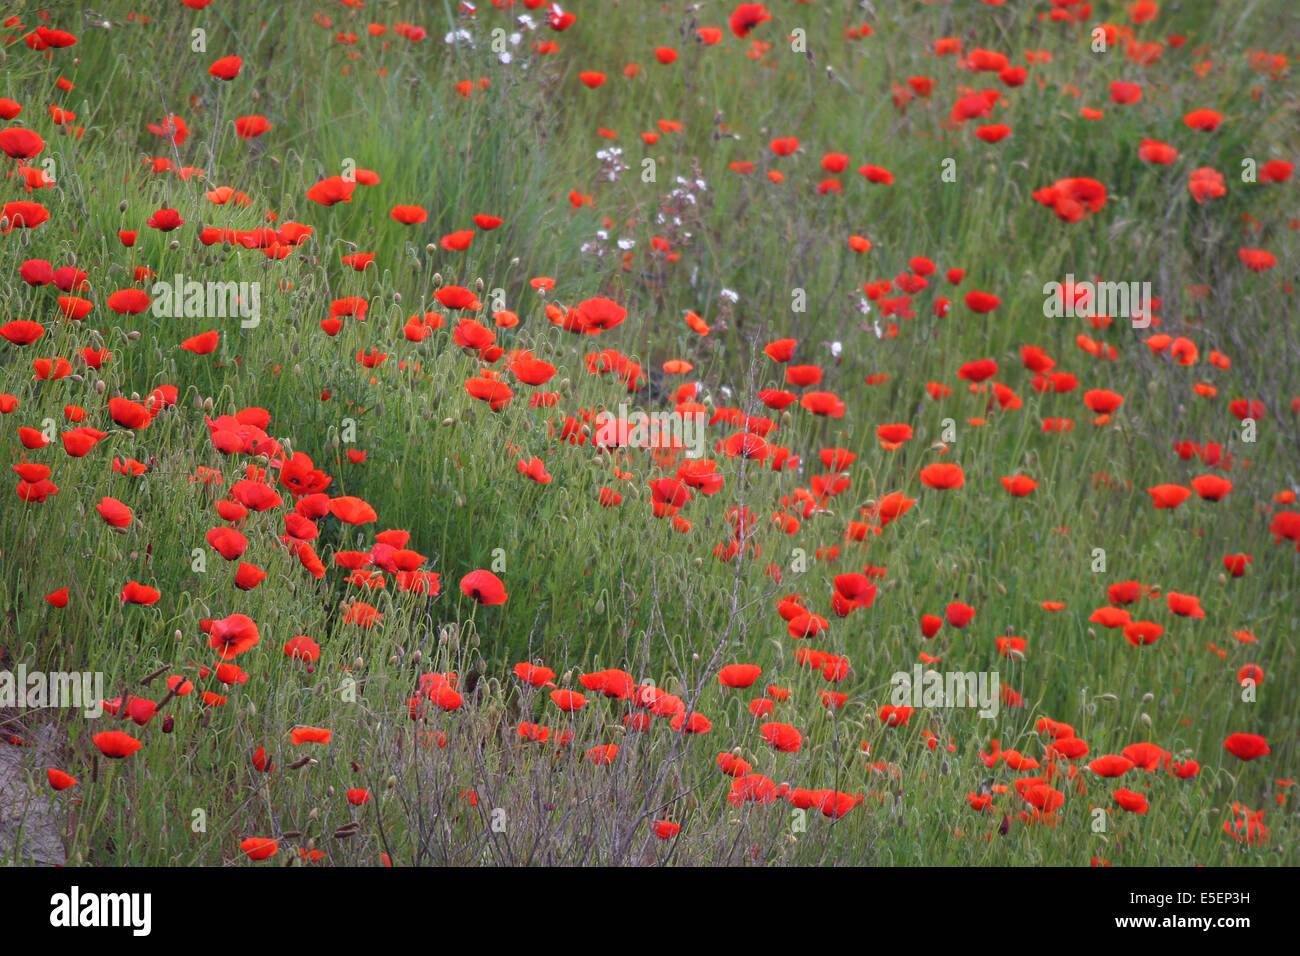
<point x="29" y="824"/>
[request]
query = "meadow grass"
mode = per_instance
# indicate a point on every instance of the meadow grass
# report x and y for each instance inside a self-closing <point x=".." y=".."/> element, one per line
<point x="592" y="587"/>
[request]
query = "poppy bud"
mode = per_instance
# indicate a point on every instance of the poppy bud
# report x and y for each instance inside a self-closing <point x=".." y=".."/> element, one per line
<point x="397" y="298"/>
<point x="358" y="664"/>
<point x="173" y="245"/>
<point x="391" y="784"/>
<point x="1146" y="720"/>
<point x="432" y="248"/>
<point x="479" y="284"/>
<point x="121" y="207"/>
<point x="437" y="278"/>
<point x="177" y="635"/>
<point x="449" y="422"/>
<point x="100" y="386"/>
<point x="76" y="378"/>
<point x="168" y="723"/>
<point x="207" y="404"/>
<point x="133" y="334"/>
<point x="417" y="656"/>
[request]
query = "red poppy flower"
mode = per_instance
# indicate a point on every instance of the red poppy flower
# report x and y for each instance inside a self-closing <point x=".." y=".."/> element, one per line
<point x="484" y="587"/>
